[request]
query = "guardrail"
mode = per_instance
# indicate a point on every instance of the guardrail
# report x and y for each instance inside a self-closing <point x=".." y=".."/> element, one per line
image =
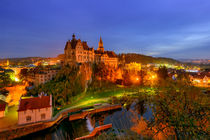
<point x="95" y="132"/>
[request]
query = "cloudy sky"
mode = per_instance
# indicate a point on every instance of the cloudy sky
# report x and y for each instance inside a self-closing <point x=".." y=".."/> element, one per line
<point x="167" y="28"/>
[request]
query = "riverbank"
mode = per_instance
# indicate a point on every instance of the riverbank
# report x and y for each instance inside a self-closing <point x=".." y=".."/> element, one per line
<point x="21" y="130"/>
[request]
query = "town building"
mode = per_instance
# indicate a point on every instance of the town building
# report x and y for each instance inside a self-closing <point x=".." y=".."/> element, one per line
<point x="41" y="76"/>
<point x="3" y="108"/>
<point x="133" y="67"/>
<point x="77" y="51"/>
<point x="35" y="109"/>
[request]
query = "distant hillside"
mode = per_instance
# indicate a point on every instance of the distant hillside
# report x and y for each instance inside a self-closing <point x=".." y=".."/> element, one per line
<point x="139" y="58"/>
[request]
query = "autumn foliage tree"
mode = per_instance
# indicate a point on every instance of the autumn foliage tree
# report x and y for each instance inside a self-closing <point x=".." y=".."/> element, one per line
<point x="183" y="109"/>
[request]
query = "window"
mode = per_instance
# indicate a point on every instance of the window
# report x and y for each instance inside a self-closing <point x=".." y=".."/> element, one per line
<point x="28" y="118"/>
<point x="42" y="116"/>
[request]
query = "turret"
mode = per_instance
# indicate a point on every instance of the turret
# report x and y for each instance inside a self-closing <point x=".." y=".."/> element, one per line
<point x="68" y="45"/>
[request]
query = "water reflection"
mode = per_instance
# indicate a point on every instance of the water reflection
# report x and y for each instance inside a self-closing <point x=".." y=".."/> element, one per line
<point x="121" y="119"/>
<point x="65" y="130"/>
<point x="89" y="125"/>
<point x="163" y="116"/>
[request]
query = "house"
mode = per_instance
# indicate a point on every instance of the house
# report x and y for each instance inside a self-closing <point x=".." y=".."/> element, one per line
<point x="77" y="51"/>
<point x="3" y="107"/>
<point x="35" y="109"/>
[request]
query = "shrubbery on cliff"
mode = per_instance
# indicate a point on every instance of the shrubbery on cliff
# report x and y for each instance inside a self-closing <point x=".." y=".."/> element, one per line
<point x="67" y="83"/>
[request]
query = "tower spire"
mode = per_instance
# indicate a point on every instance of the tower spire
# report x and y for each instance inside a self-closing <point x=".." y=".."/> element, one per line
<point x="100" y="45"/>
<point x="101" y="40"/>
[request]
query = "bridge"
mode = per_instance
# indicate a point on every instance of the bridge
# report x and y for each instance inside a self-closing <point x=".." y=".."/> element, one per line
<point x="83" y="113"/>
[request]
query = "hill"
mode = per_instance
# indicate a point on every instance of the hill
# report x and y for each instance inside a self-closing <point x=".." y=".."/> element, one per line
<point x="139" y="58"/>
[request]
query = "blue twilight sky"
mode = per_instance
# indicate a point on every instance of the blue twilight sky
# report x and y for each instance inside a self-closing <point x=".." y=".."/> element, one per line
<point x="167" y="28"/>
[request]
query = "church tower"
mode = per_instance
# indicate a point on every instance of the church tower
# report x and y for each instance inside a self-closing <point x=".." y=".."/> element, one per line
<point x="100" y="45"/>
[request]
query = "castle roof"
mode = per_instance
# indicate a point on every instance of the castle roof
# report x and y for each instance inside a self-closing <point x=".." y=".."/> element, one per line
<point x="73" y="43"/>
<point x="109" y="53"/>
<point x="85" y="46"/>
<point x="35" y="103"/>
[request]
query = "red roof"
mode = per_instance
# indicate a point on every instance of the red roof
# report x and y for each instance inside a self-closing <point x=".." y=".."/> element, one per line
<point x="34" y="103"/>
<point x="2" y="106"/>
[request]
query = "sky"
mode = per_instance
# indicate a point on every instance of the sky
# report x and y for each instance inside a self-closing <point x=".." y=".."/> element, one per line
<point x="177" y="29"/>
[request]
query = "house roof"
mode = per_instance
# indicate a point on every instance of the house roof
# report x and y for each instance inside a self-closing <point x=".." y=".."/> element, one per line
<point x="34" y="103"/>
<point x="2" y="105"/>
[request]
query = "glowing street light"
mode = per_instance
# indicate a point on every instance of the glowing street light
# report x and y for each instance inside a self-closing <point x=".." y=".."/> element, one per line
<point x="153" y="76"/>
<point x="16" y="79"/>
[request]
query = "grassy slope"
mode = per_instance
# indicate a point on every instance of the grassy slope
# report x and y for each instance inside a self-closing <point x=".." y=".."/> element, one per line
<point x="90" y="98"/>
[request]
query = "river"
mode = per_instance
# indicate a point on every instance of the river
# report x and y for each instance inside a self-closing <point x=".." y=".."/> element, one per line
<point x="121" y="119"/>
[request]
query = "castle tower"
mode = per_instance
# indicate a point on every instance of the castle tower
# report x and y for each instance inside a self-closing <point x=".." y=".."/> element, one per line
<point x="100" y="45"/>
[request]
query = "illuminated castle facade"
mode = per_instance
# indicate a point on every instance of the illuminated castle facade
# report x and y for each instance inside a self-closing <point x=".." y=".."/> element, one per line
<point x="77" y="51"/>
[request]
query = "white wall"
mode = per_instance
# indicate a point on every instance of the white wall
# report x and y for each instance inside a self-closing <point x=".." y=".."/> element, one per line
<point x="35" y="115"/>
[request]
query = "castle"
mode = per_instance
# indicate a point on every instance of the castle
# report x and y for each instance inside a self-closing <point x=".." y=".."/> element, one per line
<point x="77" y="51"/>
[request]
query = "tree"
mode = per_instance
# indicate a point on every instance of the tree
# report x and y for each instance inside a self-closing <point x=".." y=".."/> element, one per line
<point x="5" y="80"/>
<point x="66" y="84"/>
<point x="182" y="109"/>
<point x="162" y="73"/>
